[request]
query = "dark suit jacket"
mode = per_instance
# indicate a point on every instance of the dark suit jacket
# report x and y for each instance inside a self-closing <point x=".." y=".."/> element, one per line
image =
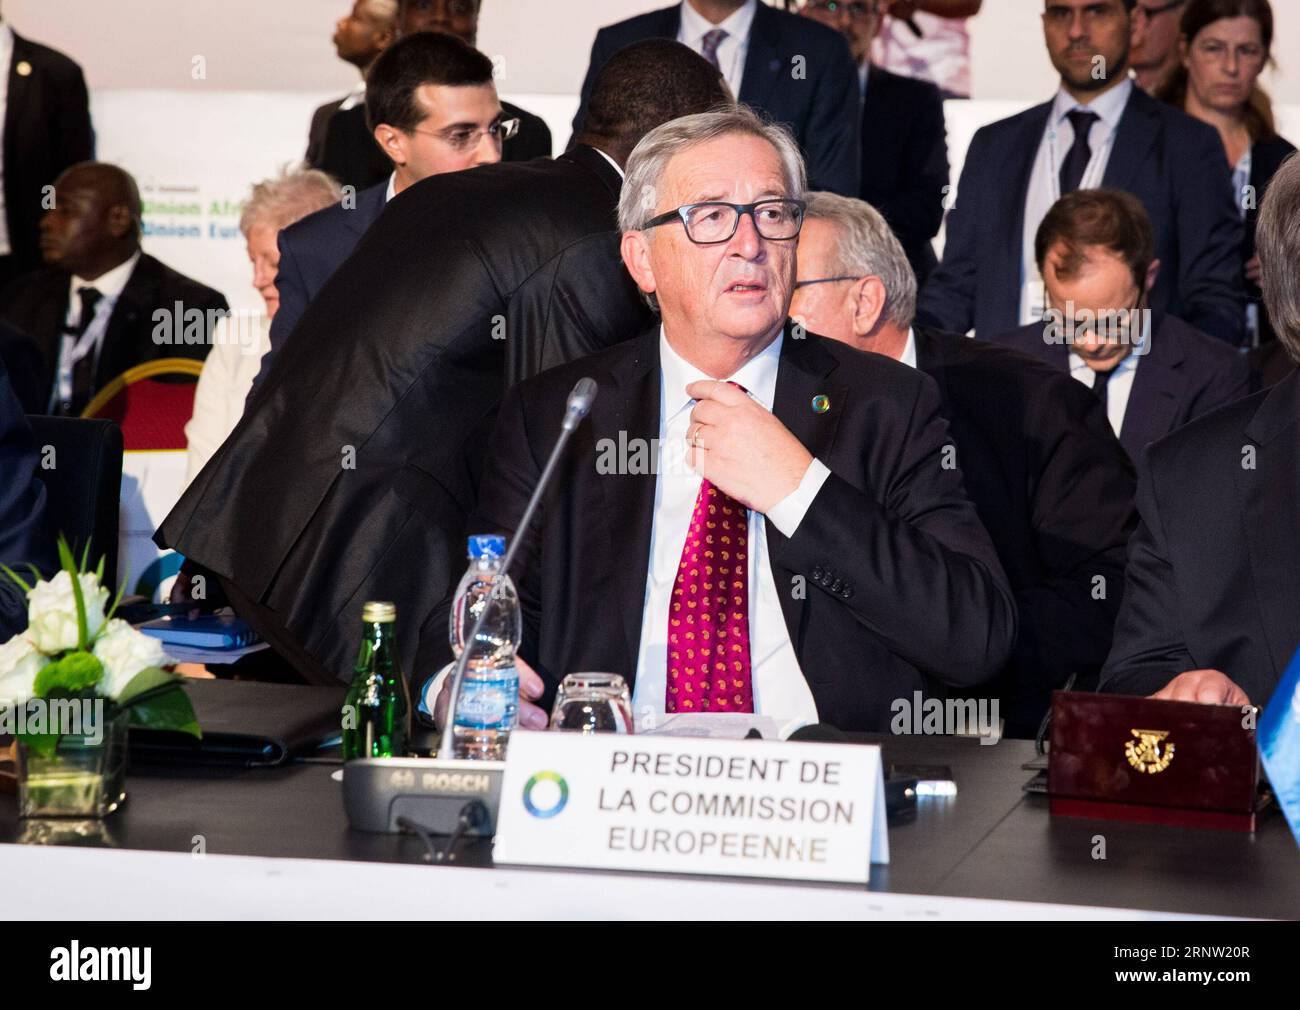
<point x="349" y="152"/>
<point x="310" y="251"/>
<point x="24" y="535"/>
<point x="351" y="473"/>
<point x="905" y="161"/>
<point x="25" y="367"/>
<point x="1213" y="576"/>
<point x="822" y="109"/>
<point x="552" y="318"/>
<point x="903" y="589"/>
<point x="1184" y="375"/>
<point x="320" y="124"/>
<point x="1266" y="157"/>
<point x="1172" y="163"/>
<point x="1055" y="491"/>
<point x="533" y="139"/>
<point x="46" y="129"/>
<point x="37" y="304"/>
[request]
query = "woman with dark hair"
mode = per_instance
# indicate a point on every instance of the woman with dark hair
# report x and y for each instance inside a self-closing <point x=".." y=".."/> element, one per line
<point x="1224" y="46"/>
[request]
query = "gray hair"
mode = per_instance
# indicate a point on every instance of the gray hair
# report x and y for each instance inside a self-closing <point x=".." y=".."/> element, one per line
<point x="646" y="163"/>
<point x="1277" y="240"/>
<point x="289" y="197"/>
<point x="866" y="246"/>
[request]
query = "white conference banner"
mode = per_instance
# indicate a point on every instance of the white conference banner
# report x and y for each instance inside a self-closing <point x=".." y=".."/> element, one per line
<point x="746" y="808"/>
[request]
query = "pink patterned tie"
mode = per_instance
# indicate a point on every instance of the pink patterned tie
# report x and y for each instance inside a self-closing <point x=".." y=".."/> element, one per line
<point x="709" y="45"/>
<point x="708" y="623"/>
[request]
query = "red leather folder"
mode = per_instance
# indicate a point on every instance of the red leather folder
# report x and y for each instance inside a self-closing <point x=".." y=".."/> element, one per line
<point x="1117" y="757"/>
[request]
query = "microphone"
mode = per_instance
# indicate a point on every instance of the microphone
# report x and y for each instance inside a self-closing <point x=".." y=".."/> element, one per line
<point x="445" y="796"/>
<point x="575" y="409"/>
<point x="579" y="403"/>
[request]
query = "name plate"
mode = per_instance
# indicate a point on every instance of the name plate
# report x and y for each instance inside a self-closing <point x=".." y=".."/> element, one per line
<point x="745" y="808"/>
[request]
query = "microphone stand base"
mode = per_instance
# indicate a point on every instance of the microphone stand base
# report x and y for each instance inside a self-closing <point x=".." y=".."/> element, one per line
<point x="431" y="792"/>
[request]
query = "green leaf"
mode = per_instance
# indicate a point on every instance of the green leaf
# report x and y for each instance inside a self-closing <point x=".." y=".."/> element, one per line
<point x="149" y="679"/>
<point x="16" y="578"/>
<point x="170" y="710"/>
<point x="108" y="614"/>
<point x="70" y="566"/>
<point x="43" y="745"/>
<point x="74" y="672"/>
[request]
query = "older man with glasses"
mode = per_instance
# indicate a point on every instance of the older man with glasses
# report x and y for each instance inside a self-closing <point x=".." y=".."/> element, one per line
<point x="796" y="546"/>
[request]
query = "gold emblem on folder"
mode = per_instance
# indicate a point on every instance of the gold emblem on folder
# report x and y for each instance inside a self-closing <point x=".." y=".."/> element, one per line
<point x="1146" y="754"/>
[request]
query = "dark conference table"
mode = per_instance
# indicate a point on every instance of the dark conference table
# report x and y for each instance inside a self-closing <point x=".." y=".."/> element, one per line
<point x="991" y="841"/>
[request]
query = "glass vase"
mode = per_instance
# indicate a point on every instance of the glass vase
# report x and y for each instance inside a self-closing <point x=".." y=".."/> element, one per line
<point x="85" y="777"/>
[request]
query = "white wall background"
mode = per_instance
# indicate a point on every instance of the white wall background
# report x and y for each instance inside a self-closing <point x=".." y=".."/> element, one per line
<point x="284" y="45"/>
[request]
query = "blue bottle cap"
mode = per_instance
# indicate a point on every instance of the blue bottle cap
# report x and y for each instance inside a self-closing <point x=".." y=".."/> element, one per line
<point x="491" y="545"/>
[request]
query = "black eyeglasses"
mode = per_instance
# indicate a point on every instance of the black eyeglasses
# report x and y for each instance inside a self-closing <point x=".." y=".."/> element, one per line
<point x="777" y="219"/>
<point x="828" y="280"/>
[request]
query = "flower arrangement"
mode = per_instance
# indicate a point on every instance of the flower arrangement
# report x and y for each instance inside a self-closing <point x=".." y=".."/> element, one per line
<point x="75" y="657"/>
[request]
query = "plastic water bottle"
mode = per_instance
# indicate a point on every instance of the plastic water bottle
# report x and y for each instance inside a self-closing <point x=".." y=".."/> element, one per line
<point x="488" y="705"/>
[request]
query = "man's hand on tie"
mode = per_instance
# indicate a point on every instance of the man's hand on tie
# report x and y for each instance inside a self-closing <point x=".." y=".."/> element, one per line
<point x="742" y="448"/>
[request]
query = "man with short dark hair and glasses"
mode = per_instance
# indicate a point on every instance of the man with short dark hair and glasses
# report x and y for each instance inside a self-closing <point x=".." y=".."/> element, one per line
<point x="432" y="108"/>
<point x="1099" y="131"/>
<point x="1151" y="370"/>
<point x="791" y="544"/>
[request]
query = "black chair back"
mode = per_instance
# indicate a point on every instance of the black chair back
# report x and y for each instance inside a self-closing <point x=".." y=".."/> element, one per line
<point x="84" y="486"/>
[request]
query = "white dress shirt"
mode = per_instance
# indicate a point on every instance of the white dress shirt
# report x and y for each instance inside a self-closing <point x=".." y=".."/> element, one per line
<point x="353" y="98"/>
<point x="1045" y="179"/>
<point x="908" y="357"/>
<point x="732" y="50"/>
<point x="1121" y="378"/>
<point x="6" y="57"/>
<point x="239" y="342"/>
<point x="110" y="286"/>
<point x="779" y="688"/>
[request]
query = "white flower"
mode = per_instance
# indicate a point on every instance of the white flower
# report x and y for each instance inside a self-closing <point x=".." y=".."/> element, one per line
<point x="20" y="662"/>
<point x="124" y="653"/>
<point x="52" y="612"/>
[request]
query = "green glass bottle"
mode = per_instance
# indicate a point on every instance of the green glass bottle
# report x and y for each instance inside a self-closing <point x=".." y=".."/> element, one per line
<point x="377" y="709"/>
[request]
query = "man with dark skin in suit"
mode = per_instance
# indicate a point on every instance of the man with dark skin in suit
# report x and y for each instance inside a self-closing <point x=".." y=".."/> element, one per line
<point x="92" y="226"/>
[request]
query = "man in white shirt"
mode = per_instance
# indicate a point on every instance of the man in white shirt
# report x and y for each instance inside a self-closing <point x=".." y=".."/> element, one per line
<point x="433" y="108"/>
<point x="1098" y="131"/>
<point x="101" y="305"/>
<point x="1152" y="371"/>
<point x="1051" y="482"/>
<point x="790" y="68"/>
<point x="360" y="36"/>
<point x="796" y="549"/>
